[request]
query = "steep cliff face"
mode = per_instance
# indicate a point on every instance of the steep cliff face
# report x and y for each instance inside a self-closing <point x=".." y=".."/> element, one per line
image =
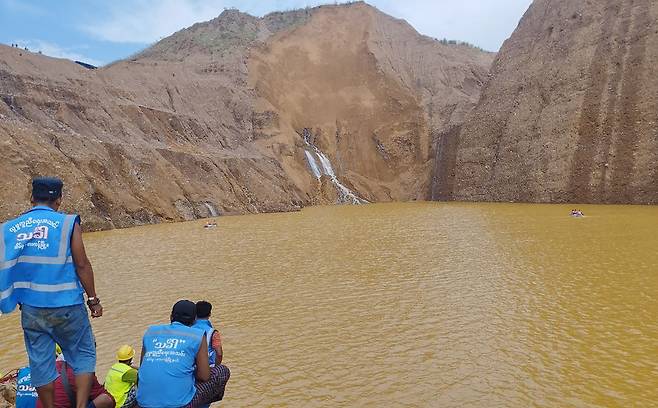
<point x="212" y="119"/>
<point x="570" y="113"/>
<point x="372" y="92"/>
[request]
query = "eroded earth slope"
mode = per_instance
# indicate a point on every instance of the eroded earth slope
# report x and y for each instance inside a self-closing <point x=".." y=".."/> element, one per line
<point x="229" y="116"/>
<point x="570" y="113"/>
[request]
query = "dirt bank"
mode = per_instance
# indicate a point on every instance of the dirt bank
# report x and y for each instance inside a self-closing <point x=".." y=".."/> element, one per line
<point x="570" y="111"/>
<point x="209" y="120"/>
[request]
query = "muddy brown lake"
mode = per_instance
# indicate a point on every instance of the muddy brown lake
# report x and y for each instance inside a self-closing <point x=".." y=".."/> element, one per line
<point x="416" y="305"/>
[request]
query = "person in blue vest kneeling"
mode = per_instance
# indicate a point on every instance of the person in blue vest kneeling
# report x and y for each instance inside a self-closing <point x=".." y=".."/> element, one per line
<point x="174" y="370"/>
<point x="214" y="339"/>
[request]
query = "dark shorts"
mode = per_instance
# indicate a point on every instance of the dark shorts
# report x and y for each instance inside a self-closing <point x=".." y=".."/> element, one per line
<point x="67" y="326"/>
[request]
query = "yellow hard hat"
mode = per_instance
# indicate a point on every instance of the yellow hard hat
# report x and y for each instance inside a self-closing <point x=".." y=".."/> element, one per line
<point x="125" y="353"/>
<point x="58" y="349"/>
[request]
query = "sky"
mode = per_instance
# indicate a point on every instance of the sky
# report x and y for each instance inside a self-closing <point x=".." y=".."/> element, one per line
<point x="101" y="31"/>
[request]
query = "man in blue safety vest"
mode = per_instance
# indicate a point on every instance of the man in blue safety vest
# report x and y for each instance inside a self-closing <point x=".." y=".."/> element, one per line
<point x="213" y="338"/>
<point x="174" y="370"/>
<point x="44" y="269"/>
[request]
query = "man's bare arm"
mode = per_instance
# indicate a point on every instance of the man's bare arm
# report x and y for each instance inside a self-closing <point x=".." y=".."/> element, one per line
<point x="141" y="354"/>
<point x="216" y="341"/>
<point x="202" y="364"/>
<point x="83" y="268"/>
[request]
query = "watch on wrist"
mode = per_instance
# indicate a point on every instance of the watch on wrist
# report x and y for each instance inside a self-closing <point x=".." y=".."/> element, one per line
<point x="93" y="301"/>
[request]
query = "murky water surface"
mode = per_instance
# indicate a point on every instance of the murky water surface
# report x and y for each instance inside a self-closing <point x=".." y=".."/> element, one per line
<point x="418" y="305"/>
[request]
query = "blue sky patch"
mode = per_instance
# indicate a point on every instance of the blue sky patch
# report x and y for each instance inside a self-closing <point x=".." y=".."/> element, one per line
<point x="99" y="31"/>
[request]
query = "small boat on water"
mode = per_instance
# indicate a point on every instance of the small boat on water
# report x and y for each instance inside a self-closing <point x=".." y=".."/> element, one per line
<point x="210" y="225"/>
<point x="577" y="213"/>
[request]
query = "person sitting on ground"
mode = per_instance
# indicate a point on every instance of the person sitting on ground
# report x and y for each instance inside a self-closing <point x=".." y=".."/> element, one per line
<point x="174" y="369"/>
<point x="26" y="394"/>
<point x="120" y="380"/>
<point x="66" y="389"/>
<point x="215" y="353"/>
<point x="213" y="337"/>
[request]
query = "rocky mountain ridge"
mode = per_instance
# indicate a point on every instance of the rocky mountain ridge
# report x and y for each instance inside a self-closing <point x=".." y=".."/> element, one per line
<point x="211" y="119"/>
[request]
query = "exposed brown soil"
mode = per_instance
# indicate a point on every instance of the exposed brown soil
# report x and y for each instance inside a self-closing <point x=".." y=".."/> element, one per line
<point x="374" y="94"/>
<point x="570" y="113"/>
<point x="210" y="119"/>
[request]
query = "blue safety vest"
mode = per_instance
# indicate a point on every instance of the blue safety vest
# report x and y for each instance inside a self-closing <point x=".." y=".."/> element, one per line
<point x="36" y="267"/>
<point x="206" y="326"/>
<point x="26" y="394"/>
<point x="166" y="374"/>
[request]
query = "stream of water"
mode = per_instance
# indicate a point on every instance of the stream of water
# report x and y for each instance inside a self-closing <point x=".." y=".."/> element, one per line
<point x="314" y="156"/>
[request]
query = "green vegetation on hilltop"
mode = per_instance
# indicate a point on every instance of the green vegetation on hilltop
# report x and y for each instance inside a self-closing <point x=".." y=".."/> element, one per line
<point x="282" y="20"/>
<point x="445" y="41"/>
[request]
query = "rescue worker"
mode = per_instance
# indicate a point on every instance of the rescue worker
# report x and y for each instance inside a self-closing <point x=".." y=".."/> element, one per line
<point x="215" y="353"/>
<point x="174" y="369"/>
<point x="213" y="337"/>
<point x="120" y="380"/>
<point x="26" y="394"/>
<point x="66" y="391"/>
<point x="45" y="270"/>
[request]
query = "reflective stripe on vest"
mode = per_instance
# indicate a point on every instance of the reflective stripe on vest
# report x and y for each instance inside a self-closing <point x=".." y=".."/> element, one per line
<point x="115" y="385"/>
<point x="36" y="266"/>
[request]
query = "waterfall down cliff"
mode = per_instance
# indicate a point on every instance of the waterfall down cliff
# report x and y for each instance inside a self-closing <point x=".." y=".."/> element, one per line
<point x="315" y="155"/>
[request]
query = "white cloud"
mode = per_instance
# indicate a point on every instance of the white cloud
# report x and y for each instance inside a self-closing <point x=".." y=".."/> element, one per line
<point x="56" y="51"/>
<point x="21" y="7"/>
<point x="146" y="21"/>
<point x="486" y="23"/>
